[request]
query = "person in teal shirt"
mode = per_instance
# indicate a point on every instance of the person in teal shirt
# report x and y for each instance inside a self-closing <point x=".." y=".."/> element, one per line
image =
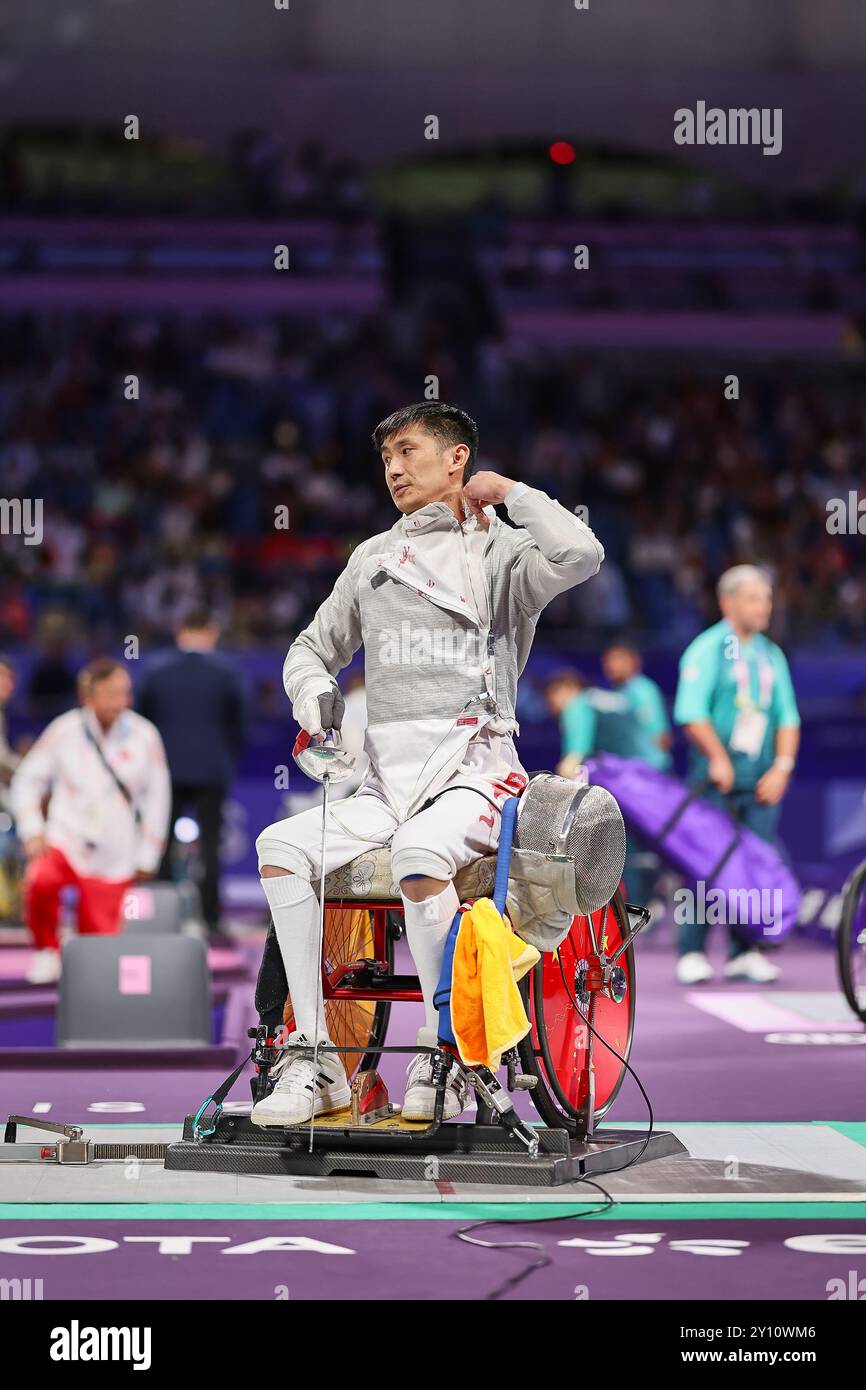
<point x="621" y="663"/>
<point x="651" y="736"/>
<point x="592" y="720"/>
<point x="567" y="698"/>
<point x="736" y="704"/>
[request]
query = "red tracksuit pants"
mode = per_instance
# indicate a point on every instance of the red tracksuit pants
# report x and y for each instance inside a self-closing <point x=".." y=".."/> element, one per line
<point x="99" y="902"/>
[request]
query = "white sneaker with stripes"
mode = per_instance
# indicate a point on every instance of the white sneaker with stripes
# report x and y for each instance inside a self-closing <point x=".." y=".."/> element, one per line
<point x="303" y="1088"/>
<point x="420" y="1097"/>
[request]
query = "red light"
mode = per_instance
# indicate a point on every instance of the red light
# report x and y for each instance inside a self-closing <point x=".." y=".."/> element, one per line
<point x="561" y="152"/>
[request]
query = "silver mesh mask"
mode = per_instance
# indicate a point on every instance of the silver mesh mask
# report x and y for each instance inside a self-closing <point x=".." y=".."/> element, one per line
<point x="584" y="824"/>
<point x="567" y="858"/>
<point x="540" y="890"/>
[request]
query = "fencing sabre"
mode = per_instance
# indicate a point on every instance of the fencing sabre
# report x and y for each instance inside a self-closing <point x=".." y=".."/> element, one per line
<point x="323" y="758"/>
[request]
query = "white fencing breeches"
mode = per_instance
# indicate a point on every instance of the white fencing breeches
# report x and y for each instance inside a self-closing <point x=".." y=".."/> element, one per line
<point x="457" y="828"/>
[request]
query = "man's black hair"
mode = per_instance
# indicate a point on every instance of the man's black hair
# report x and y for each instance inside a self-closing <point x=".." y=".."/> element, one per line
<point x="566" y="676"/>
<point x="449" y="425"/>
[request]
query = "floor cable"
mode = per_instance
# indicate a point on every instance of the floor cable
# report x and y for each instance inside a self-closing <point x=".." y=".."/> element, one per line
<point x="465" y="1232"/>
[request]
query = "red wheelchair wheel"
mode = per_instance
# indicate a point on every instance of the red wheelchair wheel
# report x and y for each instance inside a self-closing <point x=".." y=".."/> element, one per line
<point x="851" y="942"/>
<point x="555" y="1049"/>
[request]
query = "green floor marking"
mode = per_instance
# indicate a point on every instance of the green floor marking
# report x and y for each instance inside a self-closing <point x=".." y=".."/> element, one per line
<point x="852" y="1129"/>
<point x="629" y="1212"/>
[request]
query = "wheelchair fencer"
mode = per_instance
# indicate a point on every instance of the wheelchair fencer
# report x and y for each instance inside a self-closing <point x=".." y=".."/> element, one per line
<point x="557" y="880"/>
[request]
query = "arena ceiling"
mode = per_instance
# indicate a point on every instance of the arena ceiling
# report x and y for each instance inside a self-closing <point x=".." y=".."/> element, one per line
<point x="363" y="74"/>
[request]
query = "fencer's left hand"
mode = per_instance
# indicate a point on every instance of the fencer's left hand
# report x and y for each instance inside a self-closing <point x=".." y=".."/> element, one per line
<point x="772" y="786"/>
<point x="486" y="489"/>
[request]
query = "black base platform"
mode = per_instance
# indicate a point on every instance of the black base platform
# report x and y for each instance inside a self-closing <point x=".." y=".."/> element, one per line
<point x="456" y="1153"/>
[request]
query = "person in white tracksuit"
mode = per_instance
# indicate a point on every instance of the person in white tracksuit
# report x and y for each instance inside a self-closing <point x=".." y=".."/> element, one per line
<point x="91" y="802"/>
<point x="445" y="605"/>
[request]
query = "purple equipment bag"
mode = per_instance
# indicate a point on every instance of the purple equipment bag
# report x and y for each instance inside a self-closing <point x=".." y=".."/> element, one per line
<point x="760" y="893"/>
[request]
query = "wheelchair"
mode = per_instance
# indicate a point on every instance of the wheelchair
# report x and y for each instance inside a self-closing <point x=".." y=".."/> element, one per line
<point x="851" y="942"/>
<point x="580" y="998"/>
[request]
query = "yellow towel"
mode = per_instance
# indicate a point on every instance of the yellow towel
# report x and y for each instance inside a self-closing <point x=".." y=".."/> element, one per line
<point x="487" y="1012"/>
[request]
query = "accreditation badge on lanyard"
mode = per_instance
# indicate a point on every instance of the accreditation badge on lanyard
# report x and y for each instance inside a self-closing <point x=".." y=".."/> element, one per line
<point x="750" y="726"/>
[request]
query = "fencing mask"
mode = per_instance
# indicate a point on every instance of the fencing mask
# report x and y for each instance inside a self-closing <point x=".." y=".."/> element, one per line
<point x="567" y="860"/>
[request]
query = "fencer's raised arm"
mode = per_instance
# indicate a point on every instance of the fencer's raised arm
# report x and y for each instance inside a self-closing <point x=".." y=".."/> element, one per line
<point x="325" y="646"/>
<point x="558" y="551"/>
<point x="550" y="550"/>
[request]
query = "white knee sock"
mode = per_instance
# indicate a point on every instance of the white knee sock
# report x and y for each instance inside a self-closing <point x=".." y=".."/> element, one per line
<point x="295" y="911"/>
<point x="427" y="926"/>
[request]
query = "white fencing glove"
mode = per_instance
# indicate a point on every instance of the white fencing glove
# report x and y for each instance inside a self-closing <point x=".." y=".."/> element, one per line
<point x="316" y="713"/>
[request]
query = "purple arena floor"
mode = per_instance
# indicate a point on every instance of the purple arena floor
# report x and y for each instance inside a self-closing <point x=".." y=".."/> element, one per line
<point x="790" y="1051"/>
<point x="297" y="1260"/>
<point x="721" y="1053"/>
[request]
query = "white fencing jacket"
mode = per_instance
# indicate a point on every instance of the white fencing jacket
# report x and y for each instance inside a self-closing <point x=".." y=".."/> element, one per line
<point x="446" y="612"/>
<point x="88" y="817"/>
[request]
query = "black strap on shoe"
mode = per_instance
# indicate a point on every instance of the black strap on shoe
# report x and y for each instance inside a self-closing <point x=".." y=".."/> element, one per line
<point x="217" y="1099"/>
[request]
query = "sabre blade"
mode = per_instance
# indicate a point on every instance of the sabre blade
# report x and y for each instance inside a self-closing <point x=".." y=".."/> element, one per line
<point x="320" y="948"/>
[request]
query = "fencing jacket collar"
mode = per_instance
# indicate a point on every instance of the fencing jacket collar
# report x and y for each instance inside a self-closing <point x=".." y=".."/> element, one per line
<point x="442" y="560"/>
<point x="435" y="516"/>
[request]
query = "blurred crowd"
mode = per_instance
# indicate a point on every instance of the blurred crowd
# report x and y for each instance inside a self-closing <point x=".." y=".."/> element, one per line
<point x="239" y="473"/>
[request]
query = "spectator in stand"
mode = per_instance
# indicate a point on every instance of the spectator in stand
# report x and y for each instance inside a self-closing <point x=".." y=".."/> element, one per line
<point x="90" y="801"/>
<point x="152" y="511"/>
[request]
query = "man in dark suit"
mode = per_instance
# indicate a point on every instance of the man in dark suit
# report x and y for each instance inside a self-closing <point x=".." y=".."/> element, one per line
<point x="195" y="698"/>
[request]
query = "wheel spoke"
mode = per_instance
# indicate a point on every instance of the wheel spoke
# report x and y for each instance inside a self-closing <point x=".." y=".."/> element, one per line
<point x="560" y="1031"/>
<point x="348" y="936"/>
